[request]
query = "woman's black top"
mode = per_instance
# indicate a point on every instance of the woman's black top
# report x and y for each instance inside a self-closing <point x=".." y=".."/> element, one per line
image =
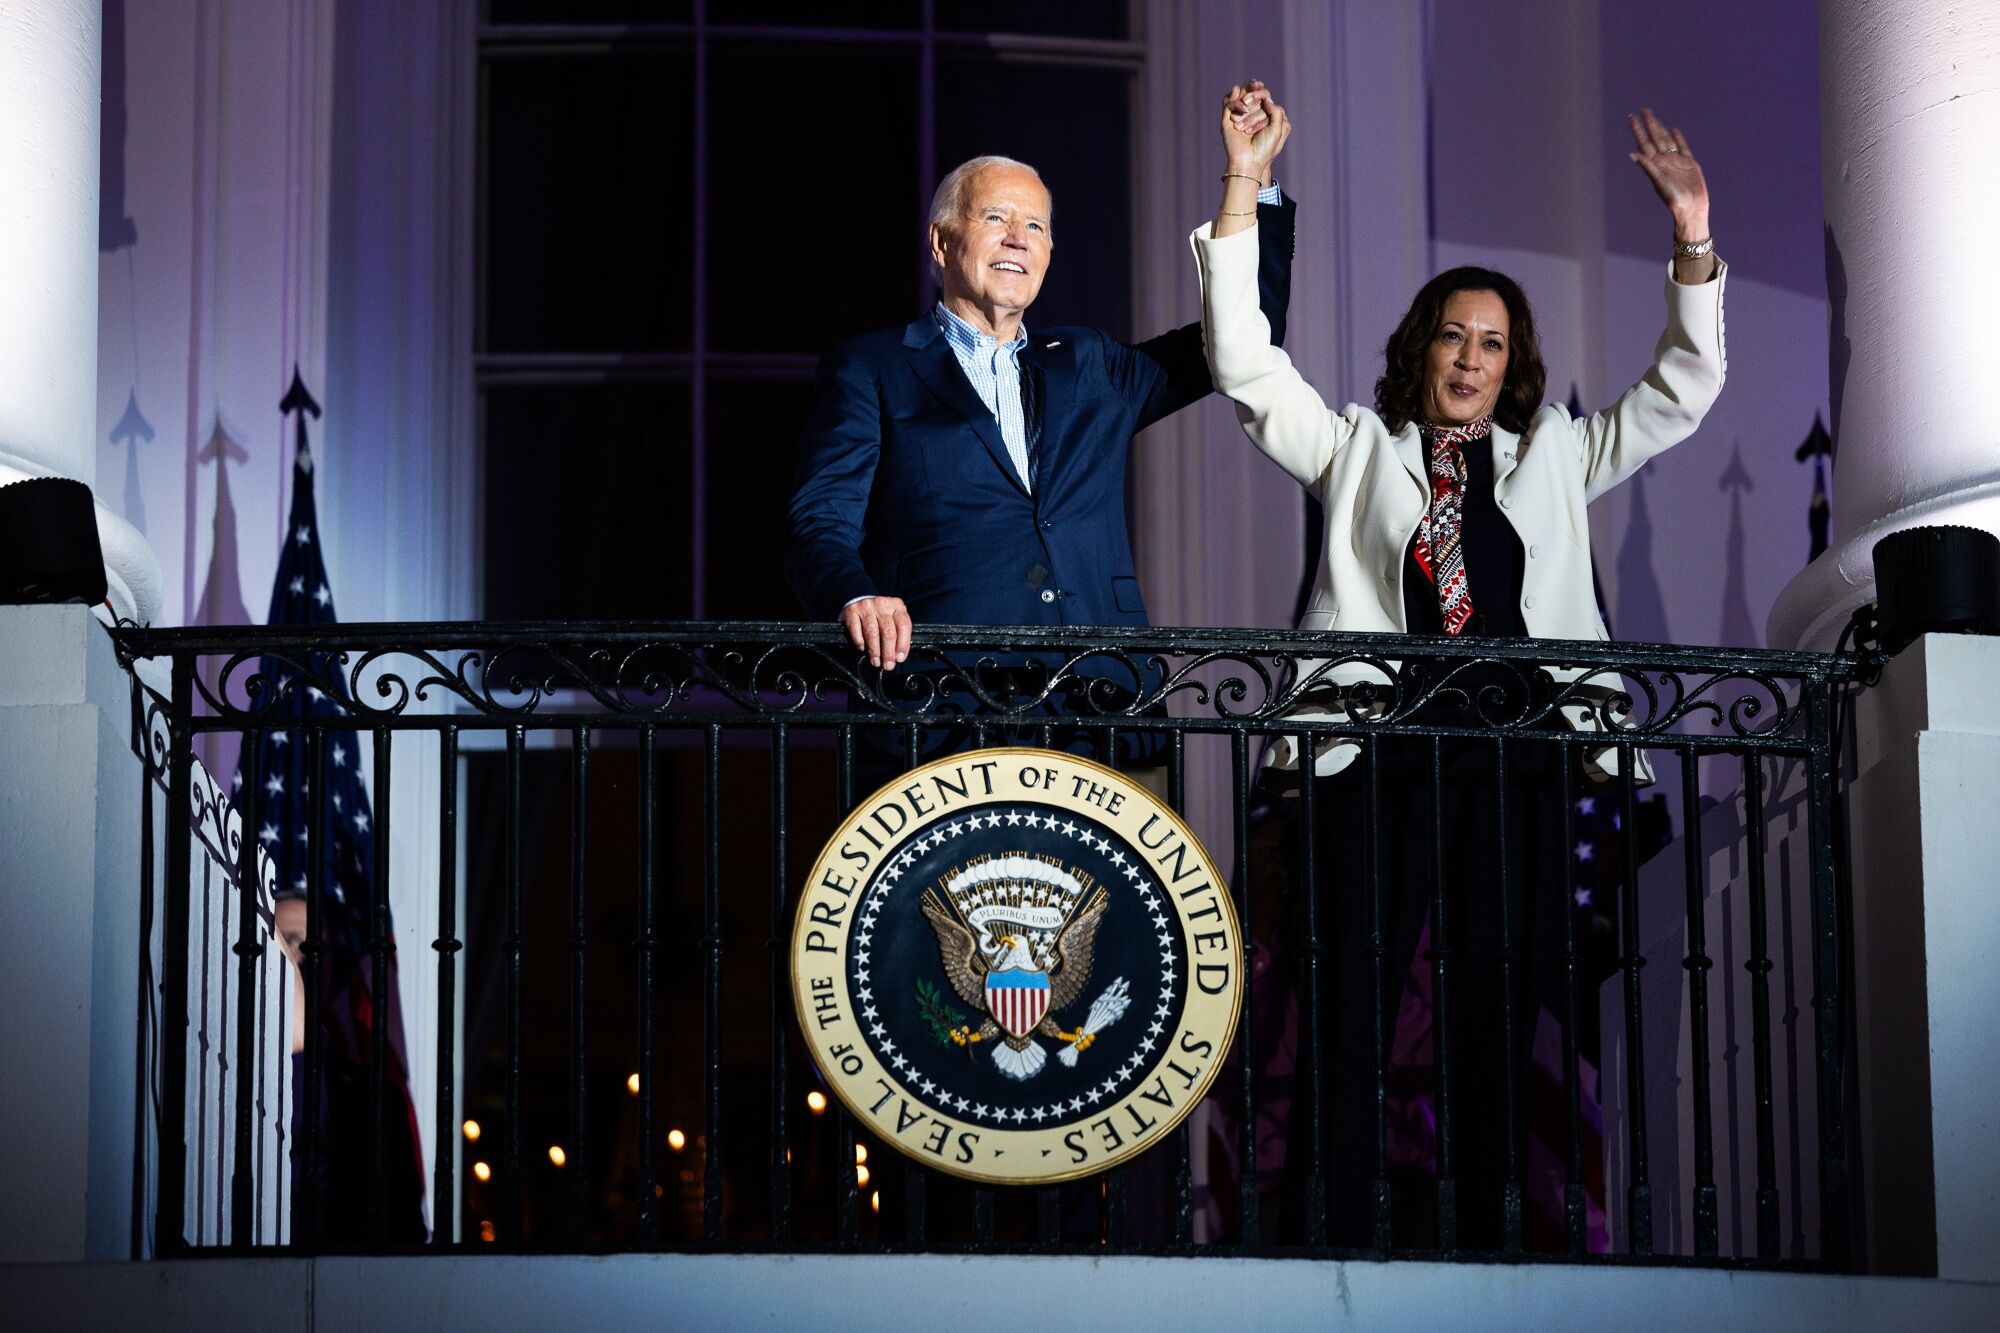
<point x="1494" y="562"/>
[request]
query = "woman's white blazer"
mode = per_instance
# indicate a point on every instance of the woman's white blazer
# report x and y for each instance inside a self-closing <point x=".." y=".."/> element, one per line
<point x="1373" y="487"/>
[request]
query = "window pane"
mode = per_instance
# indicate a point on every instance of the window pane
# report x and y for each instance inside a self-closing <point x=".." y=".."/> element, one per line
<point x="589" y="169"/>
<point x="588" y="505"/>
<point x="1038" y="114"/>
<point x="1047" y="18"/>
<point x="753" y="431"/>
<point x="591" y="11"/>
<point x="906" y="14"/>
<point x="814" y="204"/>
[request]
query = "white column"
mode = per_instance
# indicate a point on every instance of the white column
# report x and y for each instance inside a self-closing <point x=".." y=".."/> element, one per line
<point x="1923" y="847"/>
<point x="1908" y="96"/>
<point x="50" y="88"/>
<point x="68" y="861"/>
<point x="49" y="76"/>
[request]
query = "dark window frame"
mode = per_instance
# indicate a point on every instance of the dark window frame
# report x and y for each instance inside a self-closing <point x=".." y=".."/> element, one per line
<point x="703" y="365"/>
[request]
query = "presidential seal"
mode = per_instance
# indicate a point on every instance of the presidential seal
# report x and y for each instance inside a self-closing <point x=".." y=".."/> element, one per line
<point x="994" y="909"/>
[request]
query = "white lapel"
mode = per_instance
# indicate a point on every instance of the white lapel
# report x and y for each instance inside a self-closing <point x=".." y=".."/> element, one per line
<point x="1506" y="457"/>
<point x="1409" y="444"/>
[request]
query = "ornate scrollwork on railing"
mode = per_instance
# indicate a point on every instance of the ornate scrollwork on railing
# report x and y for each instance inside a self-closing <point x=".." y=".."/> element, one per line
<point x="213" y="820"/>
<point x="1001" y="676"/>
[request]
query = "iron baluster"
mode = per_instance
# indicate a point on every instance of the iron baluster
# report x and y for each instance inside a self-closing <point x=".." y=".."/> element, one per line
<point x="249" y="953"/>
<point x="444" y="1187"/>
<point x="1698" y="965"/>
<point x="1510" y="1196"/>
<point x="1442" y="955"/>
<point x="514" y="943"/>
<point x="1312" y="1036"/>
<point x="577" y="1164"/>
<point x="648" y="946"/>
<point x="1638" y="1189"/>
<point x="1575" y="1202"/>
<point x="381" y="993"/>
<point x="781" y="989"/>
<point x="170" y="1229"/>
<point x="1759" y="967"/>
<point x="711" y="911"/>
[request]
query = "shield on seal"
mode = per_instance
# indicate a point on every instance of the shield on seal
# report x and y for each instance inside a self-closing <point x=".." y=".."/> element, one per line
<point x="1017" y="999"/>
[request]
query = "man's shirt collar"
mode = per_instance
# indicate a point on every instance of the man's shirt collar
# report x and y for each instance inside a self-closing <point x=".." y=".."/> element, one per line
<point x="966" y="339"/>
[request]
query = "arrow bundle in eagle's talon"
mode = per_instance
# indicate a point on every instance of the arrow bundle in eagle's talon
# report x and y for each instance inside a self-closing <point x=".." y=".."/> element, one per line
<point x="1106" y="1009"/>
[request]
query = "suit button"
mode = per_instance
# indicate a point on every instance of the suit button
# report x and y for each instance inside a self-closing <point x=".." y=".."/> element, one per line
<point x="1528" y="602"/>
<point x="1534" y="551"/>
<point x="1506" y="502"/>
<point x="1048" y="594"/>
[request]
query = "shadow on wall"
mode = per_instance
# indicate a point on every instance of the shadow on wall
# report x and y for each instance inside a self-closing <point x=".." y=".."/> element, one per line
<point x="1839" y="351"/>
<point x="221" y="593"/>
<point x="1738" y="628"/>
<point x="1642" y="608"/>
<point x="115" y="229"/>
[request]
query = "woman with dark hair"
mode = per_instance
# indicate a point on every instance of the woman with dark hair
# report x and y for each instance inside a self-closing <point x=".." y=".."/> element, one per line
<point x="1456" y="506"/>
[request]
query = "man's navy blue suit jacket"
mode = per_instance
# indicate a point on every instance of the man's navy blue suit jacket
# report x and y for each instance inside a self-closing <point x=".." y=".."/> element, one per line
<point x="905" y="489"/>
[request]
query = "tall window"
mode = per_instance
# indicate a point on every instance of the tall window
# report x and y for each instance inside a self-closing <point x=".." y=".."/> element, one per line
<point x="681" y="204"/>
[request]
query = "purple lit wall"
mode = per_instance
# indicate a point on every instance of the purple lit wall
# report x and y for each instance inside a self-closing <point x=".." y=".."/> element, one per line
<point x="1528" y="174"/>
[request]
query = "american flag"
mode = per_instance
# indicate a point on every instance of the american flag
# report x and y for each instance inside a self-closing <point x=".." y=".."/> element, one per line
<point x="277" y="767"/>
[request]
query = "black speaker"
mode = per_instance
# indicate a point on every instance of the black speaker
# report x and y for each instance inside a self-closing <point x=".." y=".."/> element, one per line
<point x="1936" y="580"/>
<point x="48" y="543"/>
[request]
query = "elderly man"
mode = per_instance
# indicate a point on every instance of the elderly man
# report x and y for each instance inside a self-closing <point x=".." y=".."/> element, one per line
<point x="967" y="470"/>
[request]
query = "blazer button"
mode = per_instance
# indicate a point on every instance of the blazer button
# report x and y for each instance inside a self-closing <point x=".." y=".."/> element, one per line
<point x="1048" y="594"/>
<point x="1533" y="551"/>
<point x="1506" y="502"/>
<point x="1528" y="602"/>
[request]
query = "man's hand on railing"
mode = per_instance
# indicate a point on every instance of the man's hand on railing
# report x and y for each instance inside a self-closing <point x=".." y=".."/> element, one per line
<point x="880" y="627"/>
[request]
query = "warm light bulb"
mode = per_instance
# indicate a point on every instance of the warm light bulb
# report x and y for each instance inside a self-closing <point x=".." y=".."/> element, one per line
<point x="816" y="1101"/>
<point x="486" y="1231"/>
<point x="482" y="1171"/>
<point x="676" y="1140"/>
<point x="860" y="1152"/>
<point x="557" y="1155"/>
<point x="875" y="1202"/>
<point x="861" y="1175"/>
<point x="632" y="1082"/>
<point x="472" y="1131"/>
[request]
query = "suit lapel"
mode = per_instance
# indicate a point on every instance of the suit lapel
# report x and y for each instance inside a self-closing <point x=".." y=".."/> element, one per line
<point x="1506" y="457"/>
<point x="1409" y="444"/>
<point x="1053" y="363"/>
<point x="933" y="360"/>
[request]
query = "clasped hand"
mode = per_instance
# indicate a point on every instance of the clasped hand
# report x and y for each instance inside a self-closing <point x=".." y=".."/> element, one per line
<point x="1254" y="130"/>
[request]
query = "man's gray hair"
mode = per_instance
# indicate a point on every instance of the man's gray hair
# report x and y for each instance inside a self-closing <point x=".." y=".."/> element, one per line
<point x="949" y="204"/>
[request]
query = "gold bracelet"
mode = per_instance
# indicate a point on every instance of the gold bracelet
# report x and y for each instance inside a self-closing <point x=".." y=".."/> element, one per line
<point x="1228" y="213"/>
<point x="1239" y="176"/>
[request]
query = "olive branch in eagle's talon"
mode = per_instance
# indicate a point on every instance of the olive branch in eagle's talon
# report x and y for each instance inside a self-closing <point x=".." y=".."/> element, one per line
<point x="945" y="1023"/>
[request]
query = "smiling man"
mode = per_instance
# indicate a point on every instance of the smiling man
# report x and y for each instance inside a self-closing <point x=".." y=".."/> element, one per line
<point x="967" y="469"/>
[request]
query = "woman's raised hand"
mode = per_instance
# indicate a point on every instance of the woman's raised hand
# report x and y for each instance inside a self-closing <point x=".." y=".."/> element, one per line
<point x="1663" y="154"/>
<point x="1254" y="129"/>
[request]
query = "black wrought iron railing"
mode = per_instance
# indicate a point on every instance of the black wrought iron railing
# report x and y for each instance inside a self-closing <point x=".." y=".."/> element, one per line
<point x="600" y="832"/>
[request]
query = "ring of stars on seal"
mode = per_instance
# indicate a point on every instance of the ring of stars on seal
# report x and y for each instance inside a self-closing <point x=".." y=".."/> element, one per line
<point x="1017" y="966"/>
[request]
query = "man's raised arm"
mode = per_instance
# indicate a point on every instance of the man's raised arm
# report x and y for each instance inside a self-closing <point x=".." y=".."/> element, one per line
<point x="1166" y="373"/>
